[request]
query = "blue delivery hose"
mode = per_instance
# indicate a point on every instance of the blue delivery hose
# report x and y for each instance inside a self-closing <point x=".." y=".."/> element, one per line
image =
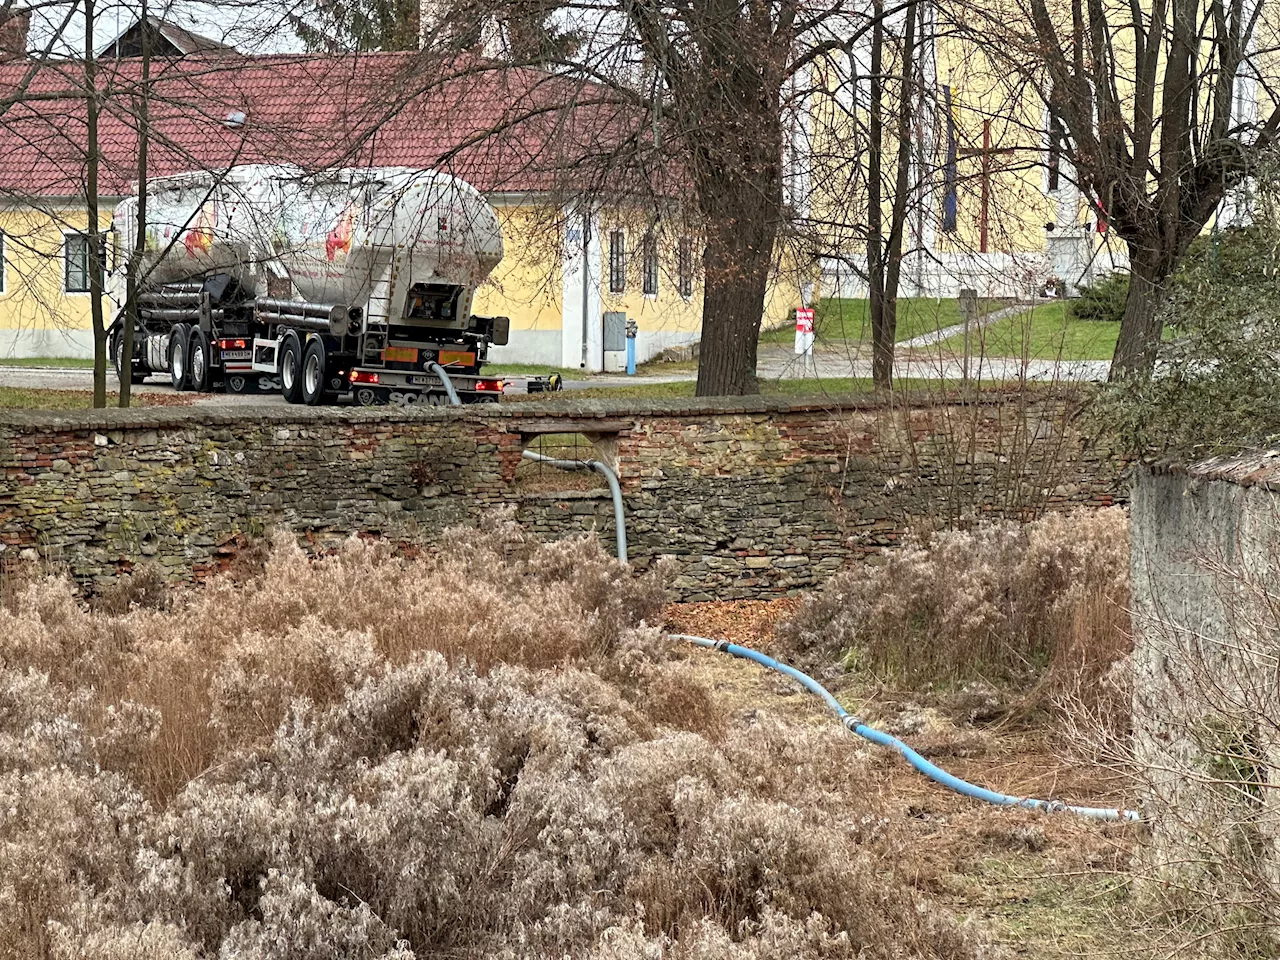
<point x="933" y="772"/>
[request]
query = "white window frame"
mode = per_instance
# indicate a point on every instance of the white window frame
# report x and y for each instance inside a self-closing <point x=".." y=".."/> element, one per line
<point x="67" y="237"/>
<point x="618" y="261"/>
<point x="649" y="265"/>
<point x="684" y="267"/>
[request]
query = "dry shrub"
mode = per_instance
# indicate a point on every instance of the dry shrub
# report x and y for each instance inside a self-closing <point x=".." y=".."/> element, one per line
<point x="146" y="587"/>
<point x="1006" y="602"/>
<point x="479" y="754"/>
<point x="15" y="576"/>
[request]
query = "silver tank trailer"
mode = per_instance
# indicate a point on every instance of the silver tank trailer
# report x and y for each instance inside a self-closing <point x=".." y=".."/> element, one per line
<point x="361" y="238"/>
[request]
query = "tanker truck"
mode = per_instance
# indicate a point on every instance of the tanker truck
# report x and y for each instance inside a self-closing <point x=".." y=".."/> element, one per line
<point x="354" y="284"/>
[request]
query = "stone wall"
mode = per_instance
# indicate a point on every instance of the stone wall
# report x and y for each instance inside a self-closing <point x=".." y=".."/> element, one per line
<point x="1206" y="572"/>
<point x="754" y="496"/>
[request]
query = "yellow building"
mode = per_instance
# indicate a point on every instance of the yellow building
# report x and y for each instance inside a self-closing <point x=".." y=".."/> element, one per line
<point x="569" y="300"/>
<point x="44" y="299"/>
<point x="633" y="272"/>
<point x="994" y="203"/>
<point x="985" y="182"/>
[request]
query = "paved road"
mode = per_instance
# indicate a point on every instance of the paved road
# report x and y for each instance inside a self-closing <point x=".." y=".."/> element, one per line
<point x="79" y="378"/>
<point x="775" y="363"/>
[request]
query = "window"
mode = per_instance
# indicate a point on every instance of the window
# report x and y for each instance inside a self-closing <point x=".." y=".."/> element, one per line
<point x="617" y="262"/>
<point x="75" y="255"/>
<point x="650" y="266"/>
<point x="684" y="267"/>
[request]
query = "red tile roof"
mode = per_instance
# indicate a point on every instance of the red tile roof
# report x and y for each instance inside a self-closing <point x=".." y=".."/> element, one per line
<point x="502" y="129"/>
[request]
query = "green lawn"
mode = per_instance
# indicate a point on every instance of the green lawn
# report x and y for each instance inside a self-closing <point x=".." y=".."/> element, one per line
<point x="851" y="319"/>
<point x="1045" y="332"/>
<point x="22" y="398"/>
<point x="77" y="362"/>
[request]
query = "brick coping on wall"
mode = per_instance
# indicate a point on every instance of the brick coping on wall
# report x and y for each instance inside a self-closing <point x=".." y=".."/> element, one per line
<point x="114" y="418"/>
<point x="1247" y="468"/>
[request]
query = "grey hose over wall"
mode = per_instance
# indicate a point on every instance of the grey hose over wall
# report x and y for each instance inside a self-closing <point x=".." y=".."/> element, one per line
<point x="439" y="371"/>
<point x="851" y="723"/>
<point x="619" y="522"/>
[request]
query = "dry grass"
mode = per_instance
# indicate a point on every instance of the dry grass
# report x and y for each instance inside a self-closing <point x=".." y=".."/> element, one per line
<point x="30" y="398"/>
<point x="1049" y="888"/>
<point x="1042" y="604"/>
<point x="488" y="754"/>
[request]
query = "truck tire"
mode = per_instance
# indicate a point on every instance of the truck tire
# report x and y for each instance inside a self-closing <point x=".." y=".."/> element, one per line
<point x="179" y="344"/>
<point x="198" y="356"/>
<point x="117" y="360"/>
<point x="291" y="367"/>
<point x="314" y="373"/>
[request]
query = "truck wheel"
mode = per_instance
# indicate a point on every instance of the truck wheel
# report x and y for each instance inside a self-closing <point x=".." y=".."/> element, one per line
<point x="313" y="373"/>
<point x="137" y="373"/>
<point x="198" y="360"/>
<point x="179" y="341"/>
<point x="291" y="368"/>
<point x="117" y="360"/>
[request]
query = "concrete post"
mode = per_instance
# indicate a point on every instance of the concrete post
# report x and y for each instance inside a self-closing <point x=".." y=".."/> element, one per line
<point x="969" y="316"/>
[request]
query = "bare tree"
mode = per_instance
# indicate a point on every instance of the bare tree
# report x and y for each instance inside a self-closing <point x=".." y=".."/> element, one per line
<point x="93" y="230"/>
<point x="720" y="67"/>
<point x="84" y="124"/>
<point x="884" y="252"/>
<point x="142" y="110"/>
<point x="1159" y="129"/>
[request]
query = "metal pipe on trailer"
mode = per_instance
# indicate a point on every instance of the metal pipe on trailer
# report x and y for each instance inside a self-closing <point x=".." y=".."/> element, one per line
<point x="169" y="299"/>
<point x="332" y="319"/>
<point x="298" y="308"/>
<point x="177" y="314"/>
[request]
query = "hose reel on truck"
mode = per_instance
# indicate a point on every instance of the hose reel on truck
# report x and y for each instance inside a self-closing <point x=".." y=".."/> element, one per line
<point x="351" y="284"/>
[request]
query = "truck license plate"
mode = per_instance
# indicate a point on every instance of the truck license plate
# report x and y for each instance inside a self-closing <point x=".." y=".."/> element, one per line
<point x="421" y="381"/>
<point x="237" y="354"/>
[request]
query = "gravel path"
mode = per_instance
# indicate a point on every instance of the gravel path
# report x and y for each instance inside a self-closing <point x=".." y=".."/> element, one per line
<point x="946" y="333"/>
<point x="779" y="364"/>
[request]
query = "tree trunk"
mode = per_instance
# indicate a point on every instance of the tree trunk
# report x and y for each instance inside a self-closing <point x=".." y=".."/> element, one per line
<point x="884" y="254"/>
<point x="884" y="325"/>
<point x="735" y="279"/>
<point x="1143" y="322"/>
<point x="142" y="106"/>
<point x="93" y="234"/>
<point x="882" y="335"/>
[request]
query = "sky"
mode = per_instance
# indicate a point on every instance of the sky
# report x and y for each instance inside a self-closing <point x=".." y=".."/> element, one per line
<point x="248" y="25"/>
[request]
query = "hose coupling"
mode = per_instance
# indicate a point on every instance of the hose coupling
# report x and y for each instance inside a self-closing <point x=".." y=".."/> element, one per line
<point x="851" y="723"/>
<point x="722" y="646"/>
